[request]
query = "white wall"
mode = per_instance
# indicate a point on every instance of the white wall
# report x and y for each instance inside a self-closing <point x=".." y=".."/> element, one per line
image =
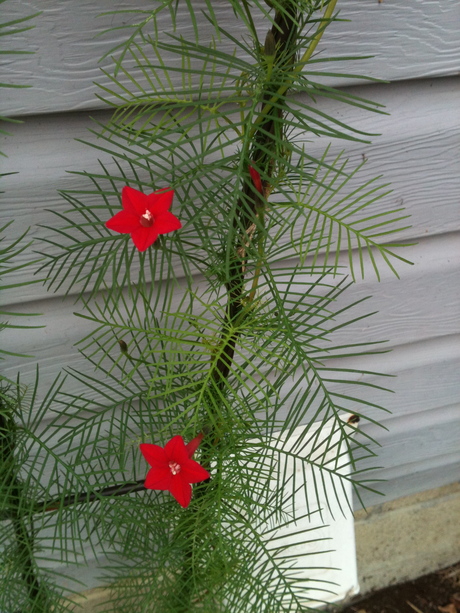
<point x="416" y="48"/>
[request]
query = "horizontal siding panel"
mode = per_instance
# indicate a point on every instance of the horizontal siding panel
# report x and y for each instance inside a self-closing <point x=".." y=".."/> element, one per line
<point x="406" y="40"/>
<point x="425" y="374"/>
<point x="408" y="312"/>
<point x="417" y="153"/>
<point x="417" y="453"/>
<point x="445" y="472"/>
<point x="422" y="376"/>
<point x="425" y="359"/>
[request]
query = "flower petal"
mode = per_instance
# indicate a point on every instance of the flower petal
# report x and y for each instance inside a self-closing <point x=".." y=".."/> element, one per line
<point x="133" y="201"/>
<point x="194" y="472"/>
<point x="181" y="490"/>
<point x="143" y="238"/>
<point x="158" y="479"/>
<point x="176" y="451"/>
<point x="192" y="446"/>
<point x="154" y="454"/>
<point x="160" y="201"/>
<point x="123" y="222"/>
<point x="166" y="222"/>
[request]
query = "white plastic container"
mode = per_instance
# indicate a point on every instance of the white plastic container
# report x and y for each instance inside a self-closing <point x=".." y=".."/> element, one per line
<point x="329" y="564"/>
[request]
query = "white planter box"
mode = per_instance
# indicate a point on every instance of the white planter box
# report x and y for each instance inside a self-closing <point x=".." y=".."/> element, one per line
<point x="333" y="571"/>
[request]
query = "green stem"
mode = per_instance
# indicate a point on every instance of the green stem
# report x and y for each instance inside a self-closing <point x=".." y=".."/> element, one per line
<point x="38" y="600"/>
<point x="298" y="68"/>
<point x="260" y="249"/>
<point x="248" y="219"/>
<point x="88" y="497"/>
<point x="36" y="592"/>
<point x="249" y="18"/>
<point x="314" y="43"/>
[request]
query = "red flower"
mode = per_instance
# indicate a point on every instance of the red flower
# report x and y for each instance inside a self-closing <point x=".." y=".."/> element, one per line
<point x="144" y="216"/>
<point x="255" y="176"/>
<point x="173" y="469"/>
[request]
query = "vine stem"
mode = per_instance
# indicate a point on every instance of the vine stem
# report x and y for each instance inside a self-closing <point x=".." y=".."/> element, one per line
<point x="260" y="249"/>
<point x="298" y="68"/>
<point x="36" y="592"/>
<point x="24" y="543"/>
<point x="48" y="506"/>
<point x="248" y="208"/>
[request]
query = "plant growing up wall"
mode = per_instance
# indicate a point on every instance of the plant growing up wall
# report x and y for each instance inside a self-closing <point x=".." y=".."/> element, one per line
<point x="215" y="255"/>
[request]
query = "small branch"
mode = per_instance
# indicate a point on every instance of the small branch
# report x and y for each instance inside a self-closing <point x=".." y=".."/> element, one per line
<point x="86" y="497"/>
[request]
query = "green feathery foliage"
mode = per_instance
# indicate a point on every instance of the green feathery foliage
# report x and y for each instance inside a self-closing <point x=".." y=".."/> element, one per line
<point x="10" y="28"/>
<point x="9" y="253"/>
<point x="233" y="327"/>
<point x="8" y="266"/>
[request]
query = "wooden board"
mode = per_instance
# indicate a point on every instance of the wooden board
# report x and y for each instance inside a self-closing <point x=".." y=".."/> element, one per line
<point x="407" y="40"/>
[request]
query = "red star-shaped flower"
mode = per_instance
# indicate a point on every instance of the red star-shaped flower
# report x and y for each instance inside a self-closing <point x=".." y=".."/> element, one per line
<point x="173" y="469"/>
<point x="144" y="216"/>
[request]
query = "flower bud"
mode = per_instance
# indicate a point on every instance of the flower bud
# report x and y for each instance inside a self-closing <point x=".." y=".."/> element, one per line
<point x="123" y="346"/>
<point x="193" y="445"/>
<point x="270" y="46"/>
<point x="255" y="176"/>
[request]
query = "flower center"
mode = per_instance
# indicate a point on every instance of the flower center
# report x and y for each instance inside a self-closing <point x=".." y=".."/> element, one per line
<point x="174" y="468"/>
<point x="146" y="220"/>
